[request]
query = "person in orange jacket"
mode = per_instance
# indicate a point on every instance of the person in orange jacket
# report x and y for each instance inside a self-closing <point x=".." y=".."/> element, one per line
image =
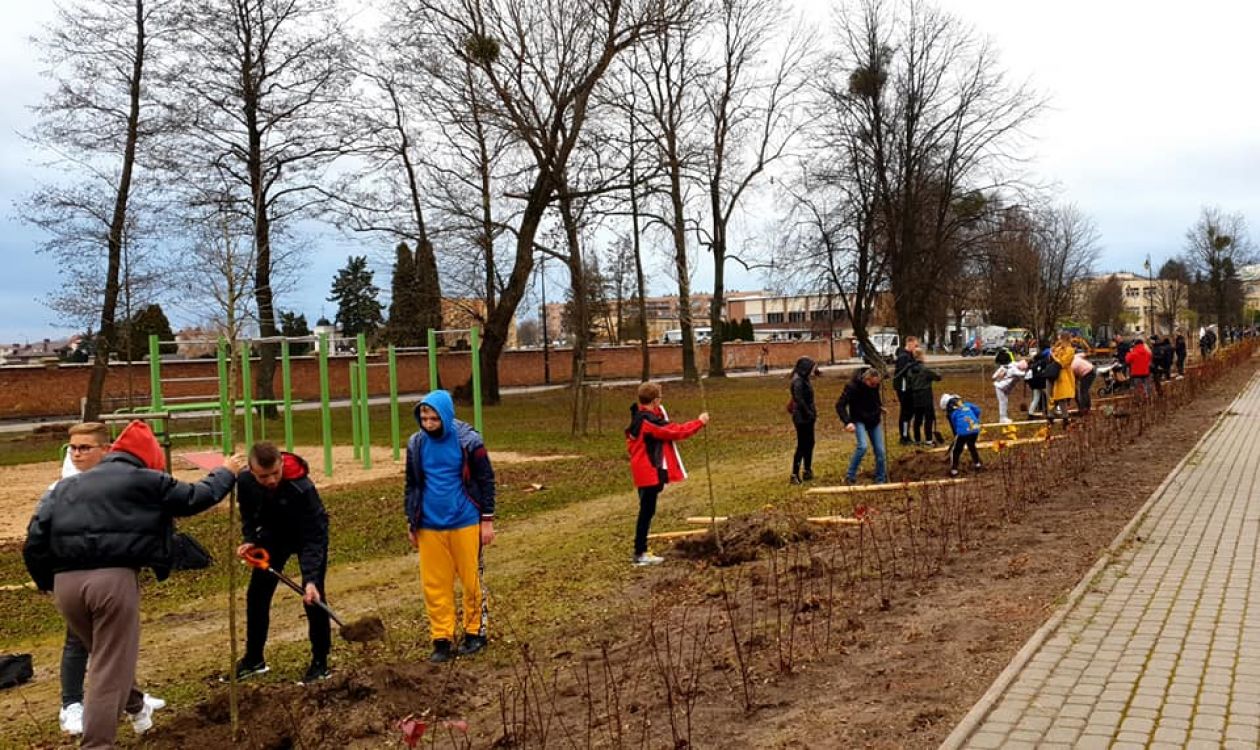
<point x="654" y="458"/>
<point x="1139" y="361"/>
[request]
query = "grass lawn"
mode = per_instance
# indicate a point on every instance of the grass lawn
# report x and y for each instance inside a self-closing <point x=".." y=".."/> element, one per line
<point x="563" y="551"/>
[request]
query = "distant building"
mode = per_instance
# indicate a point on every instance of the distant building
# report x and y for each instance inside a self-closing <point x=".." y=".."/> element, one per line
<point x="461" y="313"/>
<point x="1144" y="300"/>
<point x="31" y="354"/>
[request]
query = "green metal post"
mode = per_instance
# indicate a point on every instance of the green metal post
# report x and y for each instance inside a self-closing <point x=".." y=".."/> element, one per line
<point x="155" y="380"/>
<point x="225" y="398"/>
<point x="474" y="341"/>
<point x="393" y="402"/>
<point x="433" y="363"/>
<point x="364" y="432"/>
<point x="354" y="408"/>
<point x="247" y="396"/>
<point x="325" y="409"/>
<point x="287" y="378"/>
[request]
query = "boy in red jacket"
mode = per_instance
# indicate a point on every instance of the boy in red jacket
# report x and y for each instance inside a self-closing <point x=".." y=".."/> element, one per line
<point x="654" y="458"/>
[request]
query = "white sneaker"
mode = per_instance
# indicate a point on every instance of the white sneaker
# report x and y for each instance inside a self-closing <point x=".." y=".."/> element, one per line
<point x="647" y="558"/>
<point x="154" y="702"/>
<point x="71" y="718"/>
<point x="1008" y="420"/>
<point x="142" y="720"/>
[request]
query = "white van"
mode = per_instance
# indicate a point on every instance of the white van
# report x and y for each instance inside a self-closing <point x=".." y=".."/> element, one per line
<point x="674" y="335"/>
<point x="886" y="344"/>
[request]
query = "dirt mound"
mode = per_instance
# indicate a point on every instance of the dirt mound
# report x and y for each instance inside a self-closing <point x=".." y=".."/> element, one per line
<point x="743" y="537"/>
<point x="349" y="707"/>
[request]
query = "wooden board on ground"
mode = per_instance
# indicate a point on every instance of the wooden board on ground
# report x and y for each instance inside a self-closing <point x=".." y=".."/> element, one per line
<point x="706" y="519"/>
<point x="677" y="534"/>
<point x="835" y="521"/>
<point x="1005" y="443"/>
<point x="993" y="425"/>
<point x="890" y="486"/>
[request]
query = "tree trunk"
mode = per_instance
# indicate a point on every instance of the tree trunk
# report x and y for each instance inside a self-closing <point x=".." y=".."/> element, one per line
<point x="117" y="225"/>
<point x="679" y="234"/>
<point x="717" y="368"/>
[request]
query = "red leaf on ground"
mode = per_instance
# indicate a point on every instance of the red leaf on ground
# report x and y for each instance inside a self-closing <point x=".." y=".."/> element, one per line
<point x="412" y="730"/>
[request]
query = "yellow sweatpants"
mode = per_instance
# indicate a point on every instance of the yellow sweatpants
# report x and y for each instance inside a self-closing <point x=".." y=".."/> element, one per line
<point x="444" y="555"/>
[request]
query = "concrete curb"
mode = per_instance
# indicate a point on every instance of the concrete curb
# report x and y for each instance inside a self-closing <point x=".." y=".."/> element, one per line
<point x="976" y="716"/>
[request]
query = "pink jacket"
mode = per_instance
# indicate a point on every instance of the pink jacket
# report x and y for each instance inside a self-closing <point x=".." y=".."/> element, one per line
<point x="1081" y="366"/>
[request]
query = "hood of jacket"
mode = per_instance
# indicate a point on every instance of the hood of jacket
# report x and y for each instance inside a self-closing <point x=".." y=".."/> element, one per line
<point x="804" y="367"/>
<point x="442" y="403"/>
<point x="639" y="414"/>
<point x="138" y="440"/>
<point x="293" y="467"/>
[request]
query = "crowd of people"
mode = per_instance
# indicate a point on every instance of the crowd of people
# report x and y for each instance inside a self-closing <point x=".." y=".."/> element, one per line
<point x="1058" y="380"/>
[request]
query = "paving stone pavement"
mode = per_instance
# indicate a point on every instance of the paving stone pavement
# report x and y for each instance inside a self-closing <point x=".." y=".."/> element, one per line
<point x="1162" y="649"/>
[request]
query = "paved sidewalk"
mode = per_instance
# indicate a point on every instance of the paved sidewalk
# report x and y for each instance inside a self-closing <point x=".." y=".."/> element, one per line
<point x="1159" y="647"/>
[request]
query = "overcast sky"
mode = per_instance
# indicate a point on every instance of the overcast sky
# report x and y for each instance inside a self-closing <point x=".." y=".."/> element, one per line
<point x="1153" y="115"/>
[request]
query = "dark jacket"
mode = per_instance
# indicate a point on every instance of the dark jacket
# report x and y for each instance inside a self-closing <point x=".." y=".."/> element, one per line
<point x="476" y="472"/>
<point x="291" y="518"/>
<point x="859" y="402"/>
<point x="1162" y="353"/>
<point x="901" y="368"/>
<point x="118" y="515"/>
<point x="1180" y="346"/>
<point x="919" y="380"/>
<point x="803" y="409"/>
<point x="1036" y="381"/>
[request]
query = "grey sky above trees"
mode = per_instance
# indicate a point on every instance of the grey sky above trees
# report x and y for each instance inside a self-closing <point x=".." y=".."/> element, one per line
<point x="1124" y="138"/>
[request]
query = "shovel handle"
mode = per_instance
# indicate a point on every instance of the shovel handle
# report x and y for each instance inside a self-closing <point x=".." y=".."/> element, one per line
<point x="259" y="558"/>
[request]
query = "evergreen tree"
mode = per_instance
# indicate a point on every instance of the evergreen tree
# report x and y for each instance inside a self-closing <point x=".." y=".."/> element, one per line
<point x="133" y="343"/>
<point x="293" y="324"/>
<point x="746" y="331"/>
<point x="405" y="326"/>
<point x="358" y="310"/>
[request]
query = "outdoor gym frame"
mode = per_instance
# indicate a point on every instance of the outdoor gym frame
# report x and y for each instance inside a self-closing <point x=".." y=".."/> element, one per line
<point x="225" y="409"/>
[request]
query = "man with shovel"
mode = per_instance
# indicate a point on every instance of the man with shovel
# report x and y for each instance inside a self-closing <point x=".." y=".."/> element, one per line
<point x="281" y="512"/>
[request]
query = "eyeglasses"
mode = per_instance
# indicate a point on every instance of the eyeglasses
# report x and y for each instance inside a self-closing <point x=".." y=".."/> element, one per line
<point x="83" y="448"/>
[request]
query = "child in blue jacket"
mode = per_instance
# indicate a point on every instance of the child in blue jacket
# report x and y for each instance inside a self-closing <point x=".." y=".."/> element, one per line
<point x="964" y="420"/>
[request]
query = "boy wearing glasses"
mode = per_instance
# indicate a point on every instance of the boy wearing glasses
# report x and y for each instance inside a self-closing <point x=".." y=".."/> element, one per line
<point x="88" y="444"/>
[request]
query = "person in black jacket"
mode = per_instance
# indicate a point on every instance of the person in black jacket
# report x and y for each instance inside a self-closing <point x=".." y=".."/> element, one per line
<point x="282" y="513"/>
<point x="87" y="543"/>
<point x="901" y="369"/>
<point x="804" y="418"/>
<point x="1179" y="349"/>
<point x="919" y="380"/>
<point x="861" y="409"/>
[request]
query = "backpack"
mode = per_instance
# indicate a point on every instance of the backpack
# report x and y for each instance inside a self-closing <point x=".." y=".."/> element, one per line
<point x="1051" y="369"/>
<point x="1004" y="356"/>
<point x="188" y="554"/>
<point x="15" y="669"/>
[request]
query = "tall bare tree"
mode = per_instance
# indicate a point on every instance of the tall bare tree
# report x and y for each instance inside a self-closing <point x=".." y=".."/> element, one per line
<point x="1067" y="248"/>
<point x="539" y="64"/>
<point x="937" y="119"/>
<point x="261" y="92"/>
<point x="1171" y="292"/>
<point x="1216" y="247"/>
<point x="669" y="77"/>
<point x="97" y="119"/>
<point x="750" y="112"/>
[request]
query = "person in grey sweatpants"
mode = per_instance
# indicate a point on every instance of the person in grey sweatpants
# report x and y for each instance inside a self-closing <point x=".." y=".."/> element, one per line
<point x="87" y="543"/>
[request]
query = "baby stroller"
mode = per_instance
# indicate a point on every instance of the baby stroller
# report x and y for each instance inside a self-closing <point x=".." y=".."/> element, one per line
<point x="1114" y="379"/>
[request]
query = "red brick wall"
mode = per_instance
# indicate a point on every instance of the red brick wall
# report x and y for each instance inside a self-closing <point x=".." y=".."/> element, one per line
<point x="56" y="391"/>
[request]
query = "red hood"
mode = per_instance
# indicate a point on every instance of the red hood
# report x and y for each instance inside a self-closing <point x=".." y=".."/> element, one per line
<point x="294" y="467"/>
<point x="138" y="440"/>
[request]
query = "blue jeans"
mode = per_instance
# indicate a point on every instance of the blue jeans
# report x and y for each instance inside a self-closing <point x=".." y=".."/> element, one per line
<point x="869" y="437"/>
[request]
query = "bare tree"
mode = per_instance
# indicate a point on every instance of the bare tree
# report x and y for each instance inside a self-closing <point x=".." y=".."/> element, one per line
<point x="97" y="120"/>
<point x="1106" y="304"/>
<point x="1216" y="247"/>
<point x="539" y="64"/>
<point x="936" y="119"/>
<point x="669" y="78"/>
<point x="261" y="93"/>
<point x="750" y="114"/>
<point x="1171" y="292"/>
<point x="1067" y="245"/>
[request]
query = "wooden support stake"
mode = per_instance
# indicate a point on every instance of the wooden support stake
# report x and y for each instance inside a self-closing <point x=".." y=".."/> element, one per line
<point x="889" y="487"/>
<point x="677" y="534"/>
<point x="706" y="520"/>
<point x="835" y="521"/>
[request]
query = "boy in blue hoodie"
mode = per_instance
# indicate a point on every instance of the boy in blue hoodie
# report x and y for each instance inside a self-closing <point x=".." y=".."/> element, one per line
<point x="964" y="420"/>
<point x="449" y="501"/>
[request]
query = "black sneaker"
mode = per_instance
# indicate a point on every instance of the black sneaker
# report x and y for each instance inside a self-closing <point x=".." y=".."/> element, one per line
<point x="808" y="476"/>
<point x="794" y="479"/>
<point x="906" y="440"/>
<point x="472" y="644"/>
<point x="441" y="652"/>
<point x="318" y="670"/>
<point x="246" y="670"/>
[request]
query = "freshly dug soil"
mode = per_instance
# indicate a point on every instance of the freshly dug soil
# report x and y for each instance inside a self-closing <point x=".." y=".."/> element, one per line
<point x="357" y="707"/>
<point x="743" y="538"/>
